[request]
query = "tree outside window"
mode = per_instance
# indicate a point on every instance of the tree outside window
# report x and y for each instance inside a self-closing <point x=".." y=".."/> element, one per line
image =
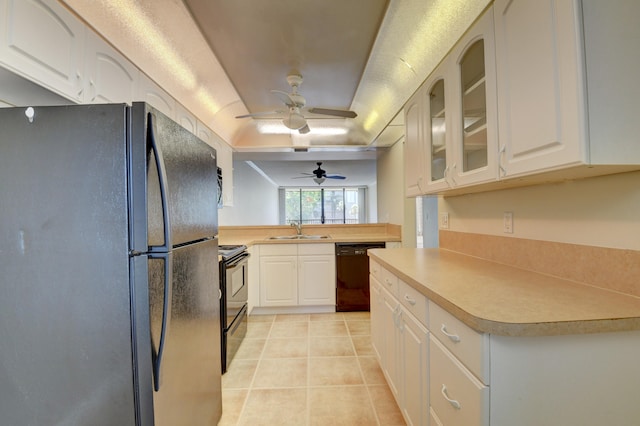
<point x="323" y="205"/>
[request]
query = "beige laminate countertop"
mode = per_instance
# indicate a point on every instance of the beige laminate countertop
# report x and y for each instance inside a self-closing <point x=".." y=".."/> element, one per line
<point x="331" y="239"/>
<point x="499" y="299"/>
<point x="363" y="233"/>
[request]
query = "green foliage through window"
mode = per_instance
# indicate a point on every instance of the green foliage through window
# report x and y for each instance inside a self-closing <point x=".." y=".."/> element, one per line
<point x="323" y="205"/>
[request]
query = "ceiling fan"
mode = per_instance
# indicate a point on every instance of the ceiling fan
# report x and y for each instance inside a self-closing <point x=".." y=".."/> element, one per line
<point x="295" y="102"/>
<point x="319" y="175"/>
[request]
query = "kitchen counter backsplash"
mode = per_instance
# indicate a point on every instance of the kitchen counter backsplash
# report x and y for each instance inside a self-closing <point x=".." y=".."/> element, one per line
<point x="366" y="232"/>
<point x="608" y="268"/>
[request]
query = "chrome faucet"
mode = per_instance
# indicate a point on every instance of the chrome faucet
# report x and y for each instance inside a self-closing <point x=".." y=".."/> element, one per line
<point x="298" y="226"/>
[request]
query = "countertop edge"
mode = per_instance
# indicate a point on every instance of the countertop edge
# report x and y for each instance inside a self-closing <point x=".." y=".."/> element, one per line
<point x="522" y="329"/>
<point x="331" y="240"/>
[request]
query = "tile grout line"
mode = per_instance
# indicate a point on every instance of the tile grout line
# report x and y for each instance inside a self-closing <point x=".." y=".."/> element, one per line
<point x="364" y="381"/>
<point x="255" y="373"/>
<point x="351" y="333"/>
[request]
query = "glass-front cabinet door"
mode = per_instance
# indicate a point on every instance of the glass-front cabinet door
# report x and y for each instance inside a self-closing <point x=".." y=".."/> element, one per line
<point x="474" y="108"/>
<point x="438" y="128"/>
<point x="476" y="124"/>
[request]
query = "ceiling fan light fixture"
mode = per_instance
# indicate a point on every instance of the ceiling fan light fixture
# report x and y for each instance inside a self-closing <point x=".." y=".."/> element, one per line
<point x="294" y="120"/>
<point x="318" y="180"/>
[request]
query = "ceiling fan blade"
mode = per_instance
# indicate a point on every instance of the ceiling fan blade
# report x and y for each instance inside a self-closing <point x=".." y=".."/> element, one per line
<point x="284" y="97"/>
<point x="302" y="177"/>
<point x="335" y="177"/>
<point x="260" y="114"/>
<point x="335" y="112"/>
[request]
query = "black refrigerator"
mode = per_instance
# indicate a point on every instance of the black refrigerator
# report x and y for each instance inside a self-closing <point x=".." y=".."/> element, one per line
<point x="109" y="285"/>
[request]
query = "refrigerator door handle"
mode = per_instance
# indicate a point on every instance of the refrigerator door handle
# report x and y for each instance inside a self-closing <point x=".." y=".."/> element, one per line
<point x="166" y="316"/>
<point x="162" y="178"/>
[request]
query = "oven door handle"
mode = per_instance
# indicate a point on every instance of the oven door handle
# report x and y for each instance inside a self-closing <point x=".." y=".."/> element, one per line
<point x="240" y="259"/>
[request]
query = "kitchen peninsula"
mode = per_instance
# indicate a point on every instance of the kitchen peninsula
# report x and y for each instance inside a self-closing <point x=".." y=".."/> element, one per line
<point x="486" y="343"/>
<point x="250" y="235"/>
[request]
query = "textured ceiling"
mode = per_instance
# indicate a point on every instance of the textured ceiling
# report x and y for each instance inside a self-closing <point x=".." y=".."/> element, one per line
<point x="221" y="59"/>
<point x="246" y="48"/>
<point x="260" y="42"/>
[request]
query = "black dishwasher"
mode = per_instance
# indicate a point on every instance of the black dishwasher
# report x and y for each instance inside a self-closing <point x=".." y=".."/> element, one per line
<point x="352" y="271"/>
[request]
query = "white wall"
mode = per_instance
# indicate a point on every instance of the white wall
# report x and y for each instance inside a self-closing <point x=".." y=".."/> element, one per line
<point x="602" y="211"/>
<point x="255" y="199"/>
<point x="372" y="203"/>
<point x="390" y="177"/>
<point x="393" y="206"/>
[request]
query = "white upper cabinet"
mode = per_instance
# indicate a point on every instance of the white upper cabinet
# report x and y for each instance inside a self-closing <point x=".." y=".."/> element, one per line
<point x="413" y="145"/>
<point x="474" y="109"/>
<point x="437" y="131"/>
<point x="186" y="119"/>
<point x="535" y="91"/>
<point x="109" y="76"/>
<point x="451" y="122"/>
<point x="41" y="40"/>
<point x="224" y="160"/>
<point x="540" y="92"/>
<point x="154" y="95"/>
<point x="568" y="91"/>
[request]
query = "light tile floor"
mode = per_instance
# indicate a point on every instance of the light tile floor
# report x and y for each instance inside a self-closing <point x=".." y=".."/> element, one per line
<point x="309" y="369"/>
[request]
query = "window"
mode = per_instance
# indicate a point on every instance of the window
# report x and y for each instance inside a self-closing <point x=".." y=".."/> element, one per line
<point x="322" y="205"/>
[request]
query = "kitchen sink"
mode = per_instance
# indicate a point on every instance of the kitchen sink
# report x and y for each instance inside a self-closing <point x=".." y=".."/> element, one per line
<point x="299" y="237"/>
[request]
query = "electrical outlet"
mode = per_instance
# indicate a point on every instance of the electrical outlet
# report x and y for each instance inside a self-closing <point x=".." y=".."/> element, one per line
<point x="508" y="222"/>
<point x="444" y="220"/>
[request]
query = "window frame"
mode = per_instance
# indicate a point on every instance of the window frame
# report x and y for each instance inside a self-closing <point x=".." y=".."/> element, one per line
<point x="361" y="203"/>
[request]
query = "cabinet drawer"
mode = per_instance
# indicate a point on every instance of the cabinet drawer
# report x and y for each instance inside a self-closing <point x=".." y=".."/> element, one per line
<point x="413" y="300"/>
<point x="279" y="250"/>
<point x="457" y="396"/>
<point x="469" y="346"/>
<point x="375" y="269"/>
<point x="389" y="282"/>
<point x="316" y="248"/>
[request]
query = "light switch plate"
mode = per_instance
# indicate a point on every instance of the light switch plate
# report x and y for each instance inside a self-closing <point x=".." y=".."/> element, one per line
<point x="508" y="222"/>
<point x="444" y="220"/>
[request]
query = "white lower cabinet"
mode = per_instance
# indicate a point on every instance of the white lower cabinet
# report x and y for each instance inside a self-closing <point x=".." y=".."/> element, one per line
<point x="401" y="342"/>
<point x="279" y="275"/>
<point x="443" y="373"/>
<point x="297" y="275"/>
<point x="457" y="396"/>
<point x="414" y="374"/>
<point x="316" y="274"/>
<point x="375" y="308"/>
<point x="390" y="361"/>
